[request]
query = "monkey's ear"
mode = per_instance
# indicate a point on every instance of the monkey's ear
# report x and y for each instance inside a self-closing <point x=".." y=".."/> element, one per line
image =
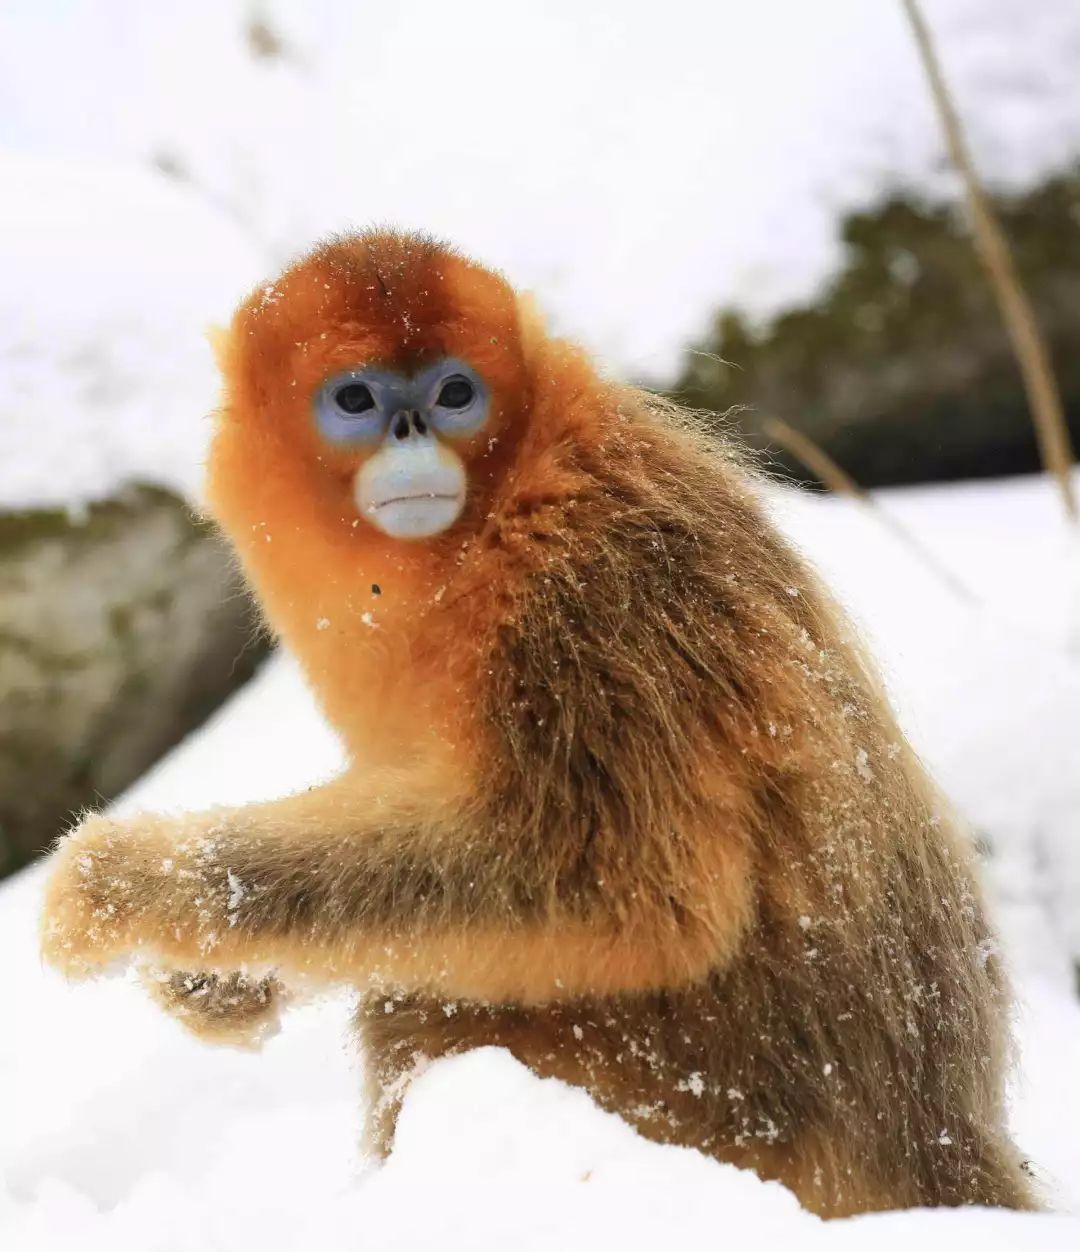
<point x="531" y="322"/>
<point x="220" y="340"/>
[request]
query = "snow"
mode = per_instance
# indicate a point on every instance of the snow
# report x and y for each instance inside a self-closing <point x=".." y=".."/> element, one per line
<point x="569" y="139"/>
<point x="119" y="1132"/>
<point x="111" y="276"/>
<point x="634" y="164"/>
<point x="635" y="172"/>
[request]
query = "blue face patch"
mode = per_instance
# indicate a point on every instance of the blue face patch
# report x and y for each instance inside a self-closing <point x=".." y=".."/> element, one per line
<point x="362" y="406"/>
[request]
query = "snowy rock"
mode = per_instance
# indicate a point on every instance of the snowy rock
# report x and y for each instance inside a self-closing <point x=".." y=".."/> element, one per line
<point x="119" y="632"/>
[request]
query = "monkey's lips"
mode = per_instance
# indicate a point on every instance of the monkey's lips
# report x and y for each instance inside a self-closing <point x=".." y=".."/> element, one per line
<point x="420" y="495"/>
<point x="418" y="515"/>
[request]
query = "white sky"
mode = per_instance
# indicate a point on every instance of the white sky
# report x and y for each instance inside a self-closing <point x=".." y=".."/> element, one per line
<point x="636" y="163"/>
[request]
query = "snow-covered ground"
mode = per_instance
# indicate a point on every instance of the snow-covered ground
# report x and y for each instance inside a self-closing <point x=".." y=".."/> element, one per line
<point x="119" y="1132"/>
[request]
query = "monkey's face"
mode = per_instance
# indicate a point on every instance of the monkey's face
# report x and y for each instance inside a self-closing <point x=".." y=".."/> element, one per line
<point x="375" y="396"/>
<point x="412" y="426"/>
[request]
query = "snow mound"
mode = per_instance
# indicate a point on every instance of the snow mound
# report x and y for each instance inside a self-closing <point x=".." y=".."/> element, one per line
<point x="493" y="1140"/>
<point x="487" y="1156"/>
<point x="111" y="278"/>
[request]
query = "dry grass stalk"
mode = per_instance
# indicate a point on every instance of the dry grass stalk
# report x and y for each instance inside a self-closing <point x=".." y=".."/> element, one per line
<point x="815" y="458"/>
<point x="819" y="463"/>
<point x="1055" y="447"/>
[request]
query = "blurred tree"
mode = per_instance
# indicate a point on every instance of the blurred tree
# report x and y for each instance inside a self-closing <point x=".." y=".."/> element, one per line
<point x="902" y="370"/>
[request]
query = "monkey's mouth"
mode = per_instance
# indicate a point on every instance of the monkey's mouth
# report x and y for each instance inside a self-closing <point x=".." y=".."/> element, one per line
<point x="420" y="495"/>
<point x="414" y="514"/>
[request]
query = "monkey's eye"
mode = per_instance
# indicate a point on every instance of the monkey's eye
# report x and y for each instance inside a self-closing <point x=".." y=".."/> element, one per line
<point x="456" y="393"/>
<point x="459" y="398"/>
<point x="354" y="398"/>
<point x="349" y="410"/>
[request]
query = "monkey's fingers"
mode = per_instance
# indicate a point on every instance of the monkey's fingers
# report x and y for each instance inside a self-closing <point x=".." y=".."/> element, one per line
<point x="84" y="924"/>
<point x="235" y="1009"/>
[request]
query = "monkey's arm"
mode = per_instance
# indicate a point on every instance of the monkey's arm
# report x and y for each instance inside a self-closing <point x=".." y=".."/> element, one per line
<point x="346" y="884"/>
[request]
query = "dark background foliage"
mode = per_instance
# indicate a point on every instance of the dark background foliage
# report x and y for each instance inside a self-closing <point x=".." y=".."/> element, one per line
<point x="901" y="369"/>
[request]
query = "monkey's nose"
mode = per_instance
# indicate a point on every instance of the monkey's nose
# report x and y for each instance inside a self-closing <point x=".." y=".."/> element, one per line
<point x="406" y="421"/>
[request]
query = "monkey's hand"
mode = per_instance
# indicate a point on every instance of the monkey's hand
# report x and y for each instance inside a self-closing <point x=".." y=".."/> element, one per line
<point x="120" y="888"/>
<point x="87" y="908"/>
<point x="235" y="1009"/>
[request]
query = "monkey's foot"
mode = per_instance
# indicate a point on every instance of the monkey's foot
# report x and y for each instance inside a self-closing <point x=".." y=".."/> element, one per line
<point x="234" y="1009"/>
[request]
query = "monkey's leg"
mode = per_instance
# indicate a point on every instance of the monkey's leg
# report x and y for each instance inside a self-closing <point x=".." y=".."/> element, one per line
<point x="678" y="1067"/>
<point x="400" y="1036"/>
<point x="836" y="1175"/>
<point x="630" y="1054"/>
<point x="344" y="884"/>
<point x="979" y="1165"/>
<point x="636" y="1055"/>
<point x="616" y="1069"/>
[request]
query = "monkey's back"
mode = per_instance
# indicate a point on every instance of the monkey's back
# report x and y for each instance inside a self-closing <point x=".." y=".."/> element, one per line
<point x="671" y="686"/>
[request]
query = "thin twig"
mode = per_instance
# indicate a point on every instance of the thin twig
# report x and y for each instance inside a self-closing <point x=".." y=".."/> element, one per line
<point x="838" y="480"/>
<point x="1051" y="431"/>
<point x="818" y="461"/>
<point x="815" y="458"/>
